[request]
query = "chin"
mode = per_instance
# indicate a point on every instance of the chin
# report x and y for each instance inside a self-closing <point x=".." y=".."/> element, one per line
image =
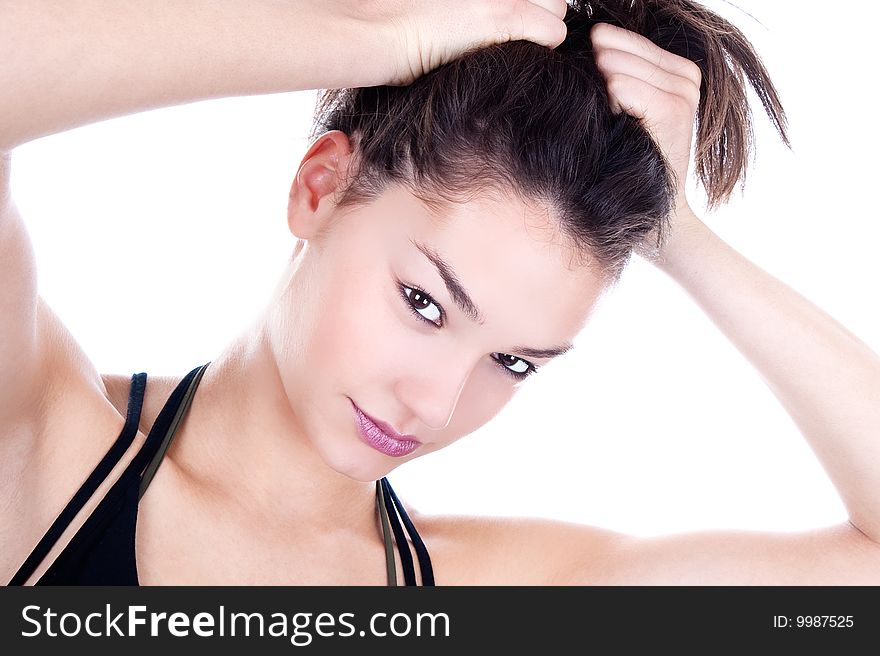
<point x="342" y="450"/>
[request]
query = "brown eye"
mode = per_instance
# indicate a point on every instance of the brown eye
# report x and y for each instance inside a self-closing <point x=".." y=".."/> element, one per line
<point x="421" y="304"/>
<point x="516" y="367"/>
<point x="419" y="300"/>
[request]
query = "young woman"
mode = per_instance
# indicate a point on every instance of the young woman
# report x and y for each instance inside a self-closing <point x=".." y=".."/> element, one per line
<point x="463" y="150"/>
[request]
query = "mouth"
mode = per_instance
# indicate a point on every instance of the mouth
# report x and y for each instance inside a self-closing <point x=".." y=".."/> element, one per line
<point x="382" y="437"/>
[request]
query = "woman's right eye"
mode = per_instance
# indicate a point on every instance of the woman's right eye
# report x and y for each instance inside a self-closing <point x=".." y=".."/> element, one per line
<point x="421" y="305"/>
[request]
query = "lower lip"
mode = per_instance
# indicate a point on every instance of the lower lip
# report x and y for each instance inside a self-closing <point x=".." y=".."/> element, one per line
<point x="373" y="435"/>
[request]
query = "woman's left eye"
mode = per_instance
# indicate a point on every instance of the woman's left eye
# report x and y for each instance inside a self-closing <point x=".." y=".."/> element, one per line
<point x="418" y="301"/>
<point x="516" y="367"/>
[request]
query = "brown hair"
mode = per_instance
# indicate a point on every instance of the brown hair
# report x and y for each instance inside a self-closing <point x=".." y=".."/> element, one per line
<point x="521" y="118"/>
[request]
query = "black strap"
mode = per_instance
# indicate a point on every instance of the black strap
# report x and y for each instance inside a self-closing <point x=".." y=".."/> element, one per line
<point x="424" y="559"/>
<point x="121" y="491"/>
<point x="409" y="574"/>
<point x="171" y="431"/>
<point x="162" y="425"/>
<point x="91" y="484"/>
<point x="390" y="564"/>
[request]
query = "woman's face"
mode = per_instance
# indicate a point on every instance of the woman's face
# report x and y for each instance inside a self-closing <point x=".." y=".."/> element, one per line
<point x="426" y="322"/>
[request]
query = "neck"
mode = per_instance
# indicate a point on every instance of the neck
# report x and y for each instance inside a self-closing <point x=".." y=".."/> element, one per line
<point x="246" y="444"/>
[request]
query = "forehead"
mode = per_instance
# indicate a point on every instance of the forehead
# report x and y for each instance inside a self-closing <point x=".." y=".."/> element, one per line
<point x="497" y="245"/>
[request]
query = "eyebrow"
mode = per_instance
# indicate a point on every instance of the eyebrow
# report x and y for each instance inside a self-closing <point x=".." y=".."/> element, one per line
<point x="456" y="290"/>
<point x="551" y="352"/>
<point x="467" y="306"/>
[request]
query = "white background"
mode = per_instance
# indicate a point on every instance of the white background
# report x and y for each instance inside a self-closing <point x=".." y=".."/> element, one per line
<point x="159" y="236"/>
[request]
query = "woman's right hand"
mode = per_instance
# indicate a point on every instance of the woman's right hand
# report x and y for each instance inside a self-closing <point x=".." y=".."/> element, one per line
<point x="403" y="40"/>
<point x="144" y="55"/>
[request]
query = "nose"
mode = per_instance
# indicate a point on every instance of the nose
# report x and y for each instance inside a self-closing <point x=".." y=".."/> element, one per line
<point x="432" y="392"/>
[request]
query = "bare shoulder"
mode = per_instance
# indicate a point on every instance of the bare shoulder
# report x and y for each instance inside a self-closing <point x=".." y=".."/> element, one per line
<point x="497" y="550"/>
<point x="156" y="393"/>
<point x="474" y="550"/>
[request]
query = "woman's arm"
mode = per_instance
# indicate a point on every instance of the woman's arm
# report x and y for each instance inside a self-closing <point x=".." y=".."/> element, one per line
<point x="70" y="62"/>
<point x="828" y="381"/>
<point x="826" y="378"/>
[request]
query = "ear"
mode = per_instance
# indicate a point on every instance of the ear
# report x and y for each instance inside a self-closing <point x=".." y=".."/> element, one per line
<point x="310" y="202"/>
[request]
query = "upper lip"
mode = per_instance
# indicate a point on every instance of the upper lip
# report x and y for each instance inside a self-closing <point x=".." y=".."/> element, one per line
<point x="386" y="428"/>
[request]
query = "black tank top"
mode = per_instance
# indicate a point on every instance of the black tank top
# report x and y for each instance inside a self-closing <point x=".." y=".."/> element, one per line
<point x="102" y="552"/>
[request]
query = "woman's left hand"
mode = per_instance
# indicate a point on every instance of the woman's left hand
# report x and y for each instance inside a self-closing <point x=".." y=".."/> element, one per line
<point x="658" y="87"/>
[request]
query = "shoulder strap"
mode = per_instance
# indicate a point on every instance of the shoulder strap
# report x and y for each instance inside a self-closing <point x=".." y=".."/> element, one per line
<point x="168" y="431"/>
<point x="91" y="484"/>
<point x="391" y="501"/>
<point x="390" y="564"/>
<point x="409" y="574"/>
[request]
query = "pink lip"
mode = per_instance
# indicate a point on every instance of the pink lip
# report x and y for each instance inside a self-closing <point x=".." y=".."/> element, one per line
<point x="382" y="437"/>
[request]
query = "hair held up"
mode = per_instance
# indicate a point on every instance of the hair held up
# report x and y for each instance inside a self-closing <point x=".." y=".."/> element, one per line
<point x="521" y="118"/>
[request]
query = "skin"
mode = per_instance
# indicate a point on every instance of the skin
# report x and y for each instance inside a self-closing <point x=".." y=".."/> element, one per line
<point x="274" y="401"/>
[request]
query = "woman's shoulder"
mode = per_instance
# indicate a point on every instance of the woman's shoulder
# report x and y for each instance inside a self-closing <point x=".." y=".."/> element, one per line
<point x="533" y="551"/>
<point x="75" y="399"/>
<point x="500" y="550"/>
<point x="117" y="388"/>
<point x="52" y="445"/>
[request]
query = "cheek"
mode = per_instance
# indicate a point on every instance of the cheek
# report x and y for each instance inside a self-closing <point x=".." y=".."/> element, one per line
<point x="482" y="398"/>
<point x="358" y="336"/>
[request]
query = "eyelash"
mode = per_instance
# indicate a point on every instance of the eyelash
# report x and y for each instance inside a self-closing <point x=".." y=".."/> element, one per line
<point x="407" y="302"/>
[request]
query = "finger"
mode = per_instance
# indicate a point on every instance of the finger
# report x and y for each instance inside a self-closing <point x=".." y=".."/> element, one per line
<point x="556" y="7"/>
<point x="634" y="96"/>
<point x="612" y="60"/>
<point x="538" y="21"/>
<point x="605" y="35"/>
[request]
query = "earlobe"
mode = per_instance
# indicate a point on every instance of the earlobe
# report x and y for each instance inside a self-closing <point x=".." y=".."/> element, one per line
<point x="317" y="179"/>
